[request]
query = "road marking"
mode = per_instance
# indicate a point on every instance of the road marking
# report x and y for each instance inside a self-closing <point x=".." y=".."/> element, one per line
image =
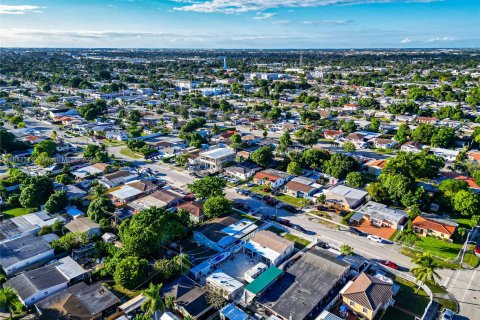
<point x="469" y="285"/>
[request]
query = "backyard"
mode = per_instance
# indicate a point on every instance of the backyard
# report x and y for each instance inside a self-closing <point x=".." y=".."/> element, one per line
<point x="16" y="212"/>
<point x="129" y="153"/>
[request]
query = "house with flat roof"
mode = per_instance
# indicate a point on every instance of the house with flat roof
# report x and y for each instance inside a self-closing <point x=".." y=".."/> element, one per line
<point x="23" y="253"/>
<point x="223" y="284"/>
<point x="221" y="233"/>
<point x="90" y="170"/>
<point x="80" y="301"/>
<point x="232" y="312"/>
<point x="243" y="171"/>
<point x="345" y="197"/>
<point x="162" y="198"/>
<point x="261" y="283"/>
<point x="380" y="215"/>
<point x="117" y="178"/>
<point x="305" y="286"/>
<point x="216" y="159"/>
<point x="269" y="247"/>
<point x="84" y="224"/>
<point x="367" y="295"/>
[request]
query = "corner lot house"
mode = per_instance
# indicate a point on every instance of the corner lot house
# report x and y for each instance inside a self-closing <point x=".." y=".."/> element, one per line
<point x="243" y="171"/>
<point x="433" y="225"/>
<point x="301" y="187"/>
<point x="272" y="178"/>
<point x="22" y="253"/>
<point x="367" y="295"/>
<point x="217" y="159"/>
<point x="271" y="248"/>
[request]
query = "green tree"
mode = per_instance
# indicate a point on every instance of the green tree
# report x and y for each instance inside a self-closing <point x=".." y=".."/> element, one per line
<point x="216" y="206"/>
<point x="284" y="142"/>
<point x="425" y="269"/>
<point x="9" y="300"/>
<point x="35" y="191"/>
<point x="182" y="159"/>
<point x="294" y="168"/>
<point x="153" y="300"/>
<point x="208" y="187"/>
<point x="374" y="125"/>
<point x="349" y="146"/>
<point x="43" y="160"/>
<point x="314" y="158"/>
<point x="100" y="208"/>
<point x="378" y="192"/>
<point x="346" y="250"/>
<point x="130" y="272"/>
<point x="403" y="134"/>
<point x="57" y="201"/>
<point x="466" y="203"/>
<point x="71" y="240"/>
<point x="355" y="180"/>
<point x="262" y="156"/>
<point x="349" y="126"/>
<point x="47" y="146"/>
<point x="63" y="179"/>
<point x="340" y="165"/>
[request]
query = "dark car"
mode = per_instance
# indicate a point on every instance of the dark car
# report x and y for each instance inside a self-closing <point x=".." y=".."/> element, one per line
<point x="299" y="228"/>
<point x="290" y="208"/>
<point x="285" y="222"/>
<point x="355" y="231"/>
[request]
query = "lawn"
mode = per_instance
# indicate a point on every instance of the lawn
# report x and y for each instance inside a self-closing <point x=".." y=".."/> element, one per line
<point x="445" y="303"/>
<point x="407" y="299"/>
<point x="297" y="202"/>
<point x="300" y="243"/>
<point x="276" y="230"/>
<point x="470" y="258"/>
<point x="412" y="253"/>
<point x="259" y="190"/>
<point x="113" y="143"/>
<point x="129" y="153"/>
<point x="394" y="235"/>
<point x="395" y="314"/>
<point x="439" y="248"/>
<point x="347" y="218"/>
<point x="16" y="212"/>
<point x="463" y="222"/>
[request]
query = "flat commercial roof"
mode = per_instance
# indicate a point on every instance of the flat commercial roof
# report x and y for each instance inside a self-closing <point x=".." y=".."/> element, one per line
<point x="231" y="312"/>
<point x="218" y="153"/>
<point x="267" y="277"/>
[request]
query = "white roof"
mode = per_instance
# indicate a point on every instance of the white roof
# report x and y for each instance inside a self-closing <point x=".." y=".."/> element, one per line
<point x="125" y="192"/>
<point x="83" y="172"/>
<point x="70" y="268"/>
<point x="224" y="281"/>
<point x="265" y="252"/>
<point x="218" y="153"/>
<point x="348" y="192"/>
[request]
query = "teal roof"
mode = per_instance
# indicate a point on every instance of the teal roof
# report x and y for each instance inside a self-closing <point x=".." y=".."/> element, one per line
<point x="267" y="277"/>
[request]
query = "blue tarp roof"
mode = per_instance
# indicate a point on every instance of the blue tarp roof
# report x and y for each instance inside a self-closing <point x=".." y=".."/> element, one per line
<point x="233" y="313"/>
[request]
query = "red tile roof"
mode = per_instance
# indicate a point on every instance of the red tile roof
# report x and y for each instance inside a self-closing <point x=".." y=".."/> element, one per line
<point x="427" y="224"/>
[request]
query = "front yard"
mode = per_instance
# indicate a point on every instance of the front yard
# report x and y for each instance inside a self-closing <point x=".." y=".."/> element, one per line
<point x="439" y="248"/>
<point x="16" y="212"/>
<point x="129" y="153"/>
<point x="300" y="243"/>
<point x="297" y="202"/>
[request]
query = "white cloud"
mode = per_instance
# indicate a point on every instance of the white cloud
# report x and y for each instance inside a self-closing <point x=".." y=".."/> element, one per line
<point x="406" y="40"/>
<point x="442" y="39"/>
<point x="263" y="16"/>
<point x="21" y="9"/>
<point x="240" y="6"/>
<point x="282" y="22"/>
<point x="328" y="22"/>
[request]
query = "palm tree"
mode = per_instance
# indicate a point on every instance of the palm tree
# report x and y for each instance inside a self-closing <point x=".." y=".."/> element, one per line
<point x="9" y="300"/>
<point x="425" y="270"/>
<point x="181" y="262"/>
<point x="153" y="301"/>
<point x="170" y="302"/>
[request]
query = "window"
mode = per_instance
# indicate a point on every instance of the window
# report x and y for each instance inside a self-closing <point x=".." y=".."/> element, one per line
<point x="365" y="310"/>
<point x="352" y="303"/>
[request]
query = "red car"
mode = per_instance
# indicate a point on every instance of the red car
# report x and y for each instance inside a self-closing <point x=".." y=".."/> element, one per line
<point x="390" y="264"/>
<point x="476" y="249"/>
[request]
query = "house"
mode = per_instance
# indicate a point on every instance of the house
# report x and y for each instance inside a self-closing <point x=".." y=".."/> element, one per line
<point x="217" y="159"/>
<point x="272" y="178"/>
<point x="260" y="284"/>
<point x="242" y="171"/>
<point x="427" y="120"/>
<point x="269" y="247"/>
<point x="117" y="178"/>
<point x="117" y="135"/>
<point x="367" y="295"/>
<point x="411" y="146"/>
<point x="474" y="156"/>
<point x="74" y="192"/>
<point x="221" y="233"/>
<point x="383" y="143"/>
<point x="35" y="285"/>
<point x="380" y="215"/>
<point x="190" y="298"/>
<point x="224" y="285"/>
<point x="125" y="194"/>
<point x="80" y="301"/>
<point x="344" y="197"/>
<point x="333" y="134"/>
<point x="23" y="253"/>
<point x="162" y="198"/>
<point x="301" y="187"/>
<point x="28" y="224"/>
<point x="305" y="287"/>
<point x="375" y="167"/>
<point x="433" y="225"/>
<point x="447" y="154"/>
<point x="232" y="312"/>
<point x="84" y="224"/>
<point x="195" y="209"/>
<point x="358" y="139"/>
<point x="91" y="170"/>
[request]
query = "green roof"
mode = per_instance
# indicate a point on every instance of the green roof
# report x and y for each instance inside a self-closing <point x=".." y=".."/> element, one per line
<point x="267" y="277"/>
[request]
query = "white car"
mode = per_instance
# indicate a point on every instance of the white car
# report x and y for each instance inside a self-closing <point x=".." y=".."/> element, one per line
<point x="374" y="238"/>
<point x="448" y="314"/>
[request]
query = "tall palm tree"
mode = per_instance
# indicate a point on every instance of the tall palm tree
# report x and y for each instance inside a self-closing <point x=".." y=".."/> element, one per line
<point x="425" y="270"/>
<point x="153" y="301"/>
<point x="181" y="262"/>
<point x="9" y="299"/>
<point x="170" y="302"/>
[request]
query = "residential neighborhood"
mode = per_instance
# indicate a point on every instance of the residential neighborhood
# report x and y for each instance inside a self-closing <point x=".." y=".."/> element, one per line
<point x="171" y="184"/>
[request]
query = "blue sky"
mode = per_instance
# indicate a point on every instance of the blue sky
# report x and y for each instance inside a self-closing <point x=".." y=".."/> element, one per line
<point x="240" y="23"/>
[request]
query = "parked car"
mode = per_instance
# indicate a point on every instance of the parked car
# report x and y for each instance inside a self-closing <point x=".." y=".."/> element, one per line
<point x="355" y="231"/>
<point x="299" y="228"/>
<point x="476" y="249"/>
<point x="448" y="314"/>
<point x="249" y="184"/>
<point x="290" y="208"/>
<point x="374" y="238"/>
<point x="285" y="222"/>
<point x="389" y="264"/>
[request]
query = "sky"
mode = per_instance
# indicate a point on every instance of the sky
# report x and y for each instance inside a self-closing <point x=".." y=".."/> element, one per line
<point x="265" y="24"/>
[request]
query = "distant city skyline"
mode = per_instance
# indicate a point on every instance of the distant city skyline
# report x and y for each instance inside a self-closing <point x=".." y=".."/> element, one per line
<point x="263" y="24"/>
